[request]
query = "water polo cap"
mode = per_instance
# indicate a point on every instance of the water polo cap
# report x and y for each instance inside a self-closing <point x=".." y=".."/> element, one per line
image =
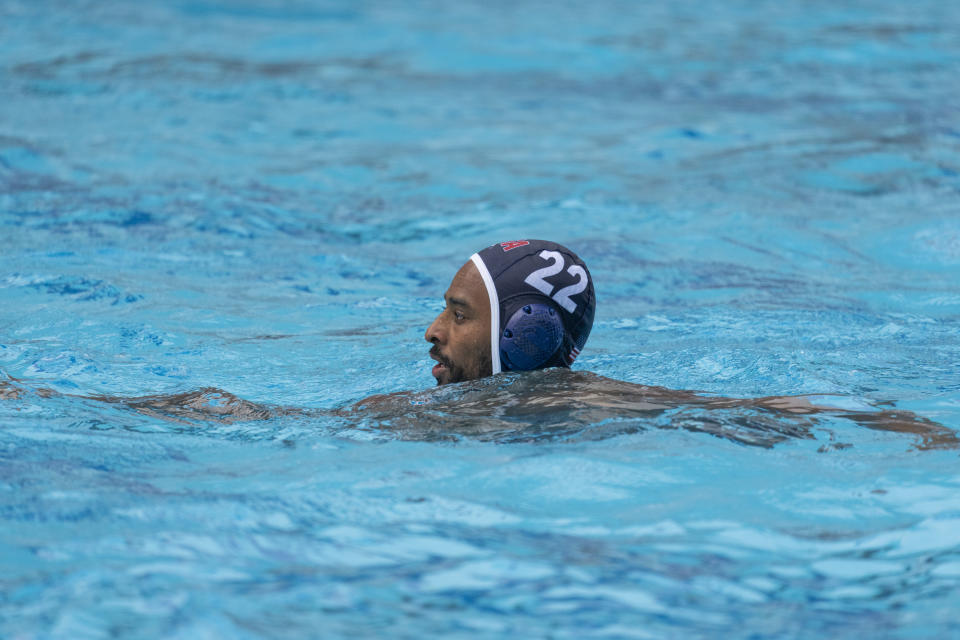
<point x="541" y="304"/>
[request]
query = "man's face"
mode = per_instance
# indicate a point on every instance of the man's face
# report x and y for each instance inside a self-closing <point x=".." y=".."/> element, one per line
<point x="461" y="333"/>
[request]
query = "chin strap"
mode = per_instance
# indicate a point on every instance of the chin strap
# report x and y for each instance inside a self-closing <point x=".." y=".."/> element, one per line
<point x="494" y="312"/>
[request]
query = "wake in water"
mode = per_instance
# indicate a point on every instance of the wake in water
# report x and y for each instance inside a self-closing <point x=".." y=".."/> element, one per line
<point x="551" y="404"/>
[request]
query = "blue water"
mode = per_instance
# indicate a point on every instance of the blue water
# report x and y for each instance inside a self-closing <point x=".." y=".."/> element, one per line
<point x="269" y="199"/>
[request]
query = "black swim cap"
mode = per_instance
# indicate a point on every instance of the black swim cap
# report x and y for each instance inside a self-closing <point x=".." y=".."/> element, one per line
<point x="541" y="304"/>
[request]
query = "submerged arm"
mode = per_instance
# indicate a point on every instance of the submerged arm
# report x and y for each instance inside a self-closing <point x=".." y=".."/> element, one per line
<point x="933" y="435"/>
<point x="203" y="404"/>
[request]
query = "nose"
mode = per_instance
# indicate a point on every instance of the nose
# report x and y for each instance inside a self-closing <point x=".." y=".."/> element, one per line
<point x="435" y="332"/>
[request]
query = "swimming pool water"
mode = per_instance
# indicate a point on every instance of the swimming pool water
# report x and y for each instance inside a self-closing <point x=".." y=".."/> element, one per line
<point x="270" y="198"/>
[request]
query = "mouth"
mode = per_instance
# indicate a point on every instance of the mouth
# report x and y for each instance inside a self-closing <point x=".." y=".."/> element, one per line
<point x="442" y="366"/>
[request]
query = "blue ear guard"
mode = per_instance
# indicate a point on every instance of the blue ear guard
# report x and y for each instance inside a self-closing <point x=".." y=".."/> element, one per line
<point x="532" y="335"/>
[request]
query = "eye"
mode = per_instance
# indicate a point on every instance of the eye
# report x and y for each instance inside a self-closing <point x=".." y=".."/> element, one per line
<point x="458" y="315"/>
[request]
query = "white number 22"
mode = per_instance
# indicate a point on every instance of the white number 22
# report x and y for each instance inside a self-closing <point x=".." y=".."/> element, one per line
<point x="536" y="280"/>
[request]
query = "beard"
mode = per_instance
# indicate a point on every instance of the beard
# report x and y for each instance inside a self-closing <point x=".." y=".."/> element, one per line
<point x="455" y="373"/>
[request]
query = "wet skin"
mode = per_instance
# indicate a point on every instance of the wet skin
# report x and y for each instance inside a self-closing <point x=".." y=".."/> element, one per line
<point x="461" y="333"/>
<point x="535" y="403"/>
<point x="460" y="336"/>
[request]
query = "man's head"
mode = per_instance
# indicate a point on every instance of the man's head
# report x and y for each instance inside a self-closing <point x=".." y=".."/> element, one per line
<point x="461" y="333"/>
<point x="514" y="306"/>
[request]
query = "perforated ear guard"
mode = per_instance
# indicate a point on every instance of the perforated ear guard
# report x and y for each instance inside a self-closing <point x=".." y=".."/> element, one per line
<point x="531" y="337"/>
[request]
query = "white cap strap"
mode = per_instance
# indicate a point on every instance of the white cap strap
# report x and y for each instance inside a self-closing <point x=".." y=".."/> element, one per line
<point x="494" y="312"/>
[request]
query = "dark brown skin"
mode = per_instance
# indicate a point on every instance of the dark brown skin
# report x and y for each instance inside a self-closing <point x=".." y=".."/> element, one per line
<point x="580" y="399"/>
<point x="460" y="339"/>
<point x="461" y="344"/>
<point x="582" y="396"/>
<point x="461" y="333"/>
<point x="203" y="404"/>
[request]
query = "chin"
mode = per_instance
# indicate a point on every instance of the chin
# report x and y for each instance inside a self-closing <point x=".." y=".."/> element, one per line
<point x="450" y="377"/>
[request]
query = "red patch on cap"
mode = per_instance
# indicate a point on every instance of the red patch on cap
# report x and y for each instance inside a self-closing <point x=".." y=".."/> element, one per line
<point x="513" y="244"/>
